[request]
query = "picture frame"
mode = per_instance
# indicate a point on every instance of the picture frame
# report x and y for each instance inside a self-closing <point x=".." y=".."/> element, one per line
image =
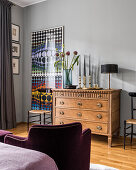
<point x="15" y="49"/>
<point x="15" y="66"/>
<point x="15" y="33"/>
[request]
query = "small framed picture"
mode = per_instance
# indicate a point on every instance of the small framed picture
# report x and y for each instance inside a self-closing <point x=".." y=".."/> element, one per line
<point x="15" y="50"/>
<point x="15" y="65"/>
<point x="15" y="32"/>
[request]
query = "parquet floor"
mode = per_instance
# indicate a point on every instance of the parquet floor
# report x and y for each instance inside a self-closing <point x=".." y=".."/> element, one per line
<point x="115" y="156"/>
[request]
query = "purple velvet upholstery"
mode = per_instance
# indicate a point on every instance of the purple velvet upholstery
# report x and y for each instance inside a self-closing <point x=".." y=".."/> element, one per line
<point x="3" y="133"/>
<point x="66" y="144"/>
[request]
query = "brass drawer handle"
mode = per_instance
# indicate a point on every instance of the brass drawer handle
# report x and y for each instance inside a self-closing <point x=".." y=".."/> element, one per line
<point x="79" y="104"/>
<point x="79" y="95"/>
<point x="62" y="113"/>
<point x="61" y="102"/>
<point x="99" y="116"/>
<point x="61" y="123"/>
<point x="99" y="127"/>
<point x="99" y="105"/>
<point x="79" y="114"/>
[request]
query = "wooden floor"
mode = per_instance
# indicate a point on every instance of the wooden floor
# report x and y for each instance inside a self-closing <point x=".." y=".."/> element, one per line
<point x="115" y="156"/>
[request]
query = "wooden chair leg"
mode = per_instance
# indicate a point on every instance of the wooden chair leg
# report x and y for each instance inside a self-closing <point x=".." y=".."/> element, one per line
<point x="124" y="133"/>
<point x="28" y="121"/>
<point x="44" y="118"/>
<point x="40" y="119"/>
<point x="131" y="133"/>
<point x="51" y="118"/>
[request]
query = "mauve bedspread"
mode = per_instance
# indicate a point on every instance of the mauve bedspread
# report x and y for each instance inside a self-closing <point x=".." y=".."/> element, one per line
<point x="15" y="158"/>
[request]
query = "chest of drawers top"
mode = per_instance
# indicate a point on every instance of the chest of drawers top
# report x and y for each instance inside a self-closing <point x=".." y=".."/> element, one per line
<point x="80" y="93"/>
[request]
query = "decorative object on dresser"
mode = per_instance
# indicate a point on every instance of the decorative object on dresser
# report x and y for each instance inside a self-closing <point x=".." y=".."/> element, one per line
<point x="93" y="76"/>
<point x="131" y="121"/>
<point x="98" y="110"/>
<point x="45" y="107"/>
<point x="84" y="77"/>
<point x="63" y="60"/>
<point x="109" y="68"/>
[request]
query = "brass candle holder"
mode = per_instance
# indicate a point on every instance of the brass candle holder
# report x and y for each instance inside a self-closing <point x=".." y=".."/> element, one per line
<point x="80" y="82"/>
<point x="90" y="81"/>
<point x="84" y="82"/>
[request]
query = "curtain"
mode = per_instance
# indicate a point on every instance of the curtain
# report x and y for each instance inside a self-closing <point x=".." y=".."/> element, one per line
<point x="7" y="101"/>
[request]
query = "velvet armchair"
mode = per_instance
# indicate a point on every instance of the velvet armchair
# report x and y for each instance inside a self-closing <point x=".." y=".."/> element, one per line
<point x="66" y="144"/>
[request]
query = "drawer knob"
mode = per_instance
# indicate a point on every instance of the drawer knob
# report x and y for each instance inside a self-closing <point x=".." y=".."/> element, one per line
<point x="61" y="123"/>
<point x="99" y="105"/>
<point x="79" y="114"/>
<point x="99" y="116"/>
<point x="99" y="127"/>
<point x="61" y="102"/>
<point x="79" y="104"/>
<point x="79" y="95"/>
<point x="62" y="113"/>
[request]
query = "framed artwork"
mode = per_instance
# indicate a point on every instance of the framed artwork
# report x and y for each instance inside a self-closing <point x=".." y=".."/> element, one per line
<point x="15" y="65"/>
<point x="15" y="49"/>
<point x="15" y="32"/>
<point x="45" y="44"/>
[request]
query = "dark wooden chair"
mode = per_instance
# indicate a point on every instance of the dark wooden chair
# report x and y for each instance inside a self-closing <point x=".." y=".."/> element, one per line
<point x="131" y="121"/>
<point x="47" y="114"/>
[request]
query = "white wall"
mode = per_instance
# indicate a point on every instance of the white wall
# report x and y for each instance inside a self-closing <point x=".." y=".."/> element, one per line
<point x="17" y="18"/>
<point x="104" y="28"/>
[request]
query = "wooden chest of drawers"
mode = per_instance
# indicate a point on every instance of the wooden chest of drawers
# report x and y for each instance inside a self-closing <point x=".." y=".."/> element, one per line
<point x="98" y="110"/>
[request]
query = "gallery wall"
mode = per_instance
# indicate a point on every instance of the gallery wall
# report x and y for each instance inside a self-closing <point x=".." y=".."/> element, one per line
<point x="17" y="18"/>
<point x="103" y="28"/>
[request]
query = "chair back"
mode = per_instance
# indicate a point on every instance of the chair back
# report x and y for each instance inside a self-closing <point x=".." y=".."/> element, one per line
<point x="61" y="142"/>
<point x="132" y="95"/>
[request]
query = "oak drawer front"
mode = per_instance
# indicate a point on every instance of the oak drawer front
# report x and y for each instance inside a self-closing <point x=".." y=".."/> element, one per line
<point x="93" y="104"/>
<point x="96" y="127"/>
<point x="82" y="114"/>
<point x="61" y="121"/>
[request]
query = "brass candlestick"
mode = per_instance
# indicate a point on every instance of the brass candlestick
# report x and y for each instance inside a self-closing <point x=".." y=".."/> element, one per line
<point x="84" y="82"/>
<point x="79" y="82"/>
<point x="89" y="81"/>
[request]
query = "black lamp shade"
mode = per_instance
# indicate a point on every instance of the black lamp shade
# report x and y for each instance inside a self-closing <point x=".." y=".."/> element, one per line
<point x="109" y="68"/>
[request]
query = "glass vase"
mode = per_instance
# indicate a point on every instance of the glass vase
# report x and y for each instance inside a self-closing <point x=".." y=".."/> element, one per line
<point x="67" y="78"/>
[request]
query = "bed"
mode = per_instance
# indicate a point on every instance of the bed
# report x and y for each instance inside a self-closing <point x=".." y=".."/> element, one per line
<point x="16" y="158"/>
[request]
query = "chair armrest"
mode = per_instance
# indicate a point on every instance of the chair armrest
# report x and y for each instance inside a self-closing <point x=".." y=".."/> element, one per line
<point x="16" y="141"/>
<point x="86" y="148"/>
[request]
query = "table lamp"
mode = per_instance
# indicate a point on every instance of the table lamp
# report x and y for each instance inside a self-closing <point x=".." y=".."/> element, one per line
<point x="109" y="68"/>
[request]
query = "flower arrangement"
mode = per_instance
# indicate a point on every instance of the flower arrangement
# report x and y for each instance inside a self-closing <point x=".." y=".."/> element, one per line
<point x="63" y="59"/>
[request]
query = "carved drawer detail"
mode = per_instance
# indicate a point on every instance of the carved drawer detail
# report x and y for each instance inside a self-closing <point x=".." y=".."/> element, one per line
<point x="92" y="104"/>
<point x="82" y="114"/>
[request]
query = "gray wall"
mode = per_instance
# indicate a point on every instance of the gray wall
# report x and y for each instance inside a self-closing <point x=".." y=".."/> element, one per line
<point x="106" y="29"/>
<point x="17" y="18"/>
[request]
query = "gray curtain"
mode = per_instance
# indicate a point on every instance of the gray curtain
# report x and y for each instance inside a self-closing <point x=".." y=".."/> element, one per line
<point x="7" y="101"/>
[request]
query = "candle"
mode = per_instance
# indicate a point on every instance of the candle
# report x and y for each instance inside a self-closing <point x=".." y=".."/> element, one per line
<point x="89" y="65"/>
<point x="84" y="67"/>
<point x="80" y="66"/>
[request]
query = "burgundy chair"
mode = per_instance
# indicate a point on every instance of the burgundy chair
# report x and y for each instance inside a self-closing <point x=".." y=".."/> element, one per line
<point x="66" y="144"/>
